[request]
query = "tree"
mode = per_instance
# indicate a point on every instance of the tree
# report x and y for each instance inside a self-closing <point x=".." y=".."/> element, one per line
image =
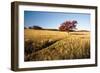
<point x="68" y="26"/>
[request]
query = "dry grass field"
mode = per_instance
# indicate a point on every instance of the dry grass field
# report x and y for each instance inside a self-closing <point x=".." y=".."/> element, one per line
<point x="55" y="45"/>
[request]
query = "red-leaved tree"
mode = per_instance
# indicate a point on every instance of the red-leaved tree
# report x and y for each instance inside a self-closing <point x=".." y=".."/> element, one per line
<point x="68" y="25"/>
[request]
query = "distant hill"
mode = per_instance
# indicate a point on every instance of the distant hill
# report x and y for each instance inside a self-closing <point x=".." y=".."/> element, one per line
<point x="82" y="30"/>
<point x="51" y="29"/>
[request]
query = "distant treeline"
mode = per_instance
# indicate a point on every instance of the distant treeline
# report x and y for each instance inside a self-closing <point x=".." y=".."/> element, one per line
<point x="39" y="28"/>
<point x="33" y="27"/>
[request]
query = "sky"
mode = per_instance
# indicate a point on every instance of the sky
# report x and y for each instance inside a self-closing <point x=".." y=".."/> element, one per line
<point x="52" y="20"/>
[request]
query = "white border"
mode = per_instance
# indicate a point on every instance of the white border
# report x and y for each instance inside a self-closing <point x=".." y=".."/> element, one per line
<point x="33" y="64"/>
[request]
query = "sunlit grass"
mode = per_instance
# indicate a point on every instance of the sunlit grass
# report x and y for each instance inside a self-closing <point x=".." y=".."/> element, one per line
<point x="56" y="45"/>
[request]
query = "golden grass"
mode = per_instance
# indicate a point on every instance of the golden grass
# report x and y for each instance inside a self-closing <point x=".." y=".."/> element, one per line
<point x="43" y="34"/>
<point x="56" y="45"/>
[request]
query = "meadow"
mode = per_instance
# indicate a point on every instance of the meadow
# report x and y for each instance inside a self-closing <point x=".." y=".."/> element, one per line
<point x="42" y="45"/>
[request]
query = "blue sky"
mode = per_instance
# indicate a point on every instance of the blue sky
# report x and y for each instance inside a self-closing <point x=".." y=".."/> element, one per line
<point x="52" y="20"/>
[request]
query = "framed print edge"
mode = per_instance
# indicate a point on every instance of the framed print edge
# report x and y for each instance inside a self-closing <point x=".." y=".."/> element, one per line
<point x="56" y="67"/>
<point x="15" y="35"/>
<point x="96" y="36"/>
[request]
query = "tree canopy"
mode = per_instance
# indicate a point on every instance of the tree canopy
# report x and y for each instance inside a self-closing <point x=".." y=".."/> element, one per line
<point x="68" y="25"/>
